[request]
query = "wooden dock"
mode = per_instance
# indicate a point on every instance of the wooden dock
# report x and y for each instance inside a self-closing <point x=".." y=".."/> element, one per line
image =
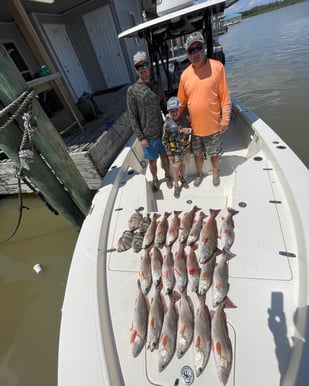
<point x="92" y="147"/>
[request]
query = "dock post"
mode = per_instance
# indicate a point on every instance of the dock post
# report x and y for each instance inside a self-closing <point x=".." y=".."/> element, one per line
<point x="46" y="139"/>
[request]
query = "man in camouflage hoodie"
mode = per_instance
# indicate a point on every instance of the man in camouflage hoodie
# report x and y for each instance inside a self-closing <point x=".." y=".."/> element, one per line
<point x="145" y="100"/>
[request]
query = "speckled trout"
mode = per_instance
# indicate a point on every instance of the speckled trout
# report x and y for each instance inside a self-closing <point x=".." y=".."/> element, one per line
<point x="208" y="240"/>
<point x="138" y="331"/>
<point x="202" y="336"/>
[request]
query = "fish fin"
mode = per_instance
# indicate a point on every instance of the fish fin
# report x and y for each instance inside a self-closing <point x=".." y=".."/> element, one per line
<point x="228" y="303"/>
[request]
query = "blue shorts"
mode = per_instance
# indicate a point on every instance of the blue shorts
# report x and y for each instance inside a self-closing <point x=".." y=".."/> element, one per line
<point x="154" y="149"/>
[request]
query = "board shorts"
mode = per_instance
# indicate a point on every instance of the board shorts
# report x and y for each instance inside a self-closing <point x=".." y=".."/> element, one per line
<point x="182" y="159"/>
<point x="211" y="144"/>
<point x="154" y="149"/>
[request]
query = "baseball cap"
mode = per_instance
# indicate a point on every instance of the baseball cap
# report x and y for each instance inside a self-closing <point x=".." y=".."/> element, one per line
<point x="194" y="37"/>
<point x="173" y="103"/>
<point x="140" y="56"/>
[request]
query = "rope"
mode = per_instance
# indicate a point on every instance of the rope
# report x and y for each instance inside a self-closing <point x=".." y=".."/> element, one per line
<point x="23" y="100"/>
<point x="20" y="210"/>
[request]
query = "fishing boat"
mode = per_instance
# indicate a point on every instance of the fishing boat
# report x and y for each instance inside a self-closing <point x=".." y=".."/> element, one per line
<point x="267" y="184"/>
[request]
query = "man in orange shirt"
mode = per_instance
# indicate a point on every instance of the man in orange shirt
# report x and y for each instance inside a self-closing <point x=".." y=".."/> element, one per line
<point x="203" y="88"/>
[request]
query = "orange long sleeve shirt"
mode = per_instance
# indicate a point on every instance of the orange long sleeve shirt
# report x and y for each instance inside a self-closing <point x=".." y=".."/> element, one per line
<point x="205" y="92"/>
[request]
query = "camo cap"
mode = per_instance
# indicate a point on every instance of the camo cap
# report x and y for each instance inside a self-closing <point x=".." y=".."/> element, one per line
<point x="140" y="56"/>
<point x="194" y="37"/>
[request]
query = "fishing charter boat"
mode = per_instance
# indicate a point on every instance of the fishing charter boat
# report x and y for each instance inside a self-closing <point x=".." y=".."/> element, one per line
<point x="265" y="334"/>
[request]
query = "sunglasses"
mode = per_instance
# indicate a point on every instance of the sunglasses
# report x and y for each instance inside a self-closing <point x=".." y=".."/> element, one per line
<point x="141" y="66"/>
<point x="195" y="49"/>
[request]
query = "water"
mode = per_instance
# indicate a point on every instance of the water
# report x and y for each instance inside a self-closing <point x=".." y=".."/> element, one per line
<point x="31" y="303"/>
<point x="267" y="68"/>
<point x="267" y="62"/>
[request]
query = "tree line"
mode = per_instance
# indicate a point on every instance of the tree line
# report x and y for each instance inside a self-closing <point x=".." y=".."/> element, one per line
<point x="268" y="7"/>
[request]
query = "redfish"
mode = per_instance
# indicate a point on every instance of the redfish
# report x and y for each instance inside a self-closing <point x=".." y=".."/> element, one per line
<point x="138" y="331"/>
<point x="168" y="276"/>
<point x="173" y="229"/>
<point x="155" y="319"/>
<point x="206" y="275"/>
<point x="185" y="325"/>
<point x="193" y="269"/>
<point x="180" y="268"/>
<point x="161" y="230"/>
<point x="151" y="231"/>
<point x="227" y="233"/>
<point x="221" y="343"/>
<point x="202" y="336"/>
<point x="145" y="272"/>
<point x="220" y="284"/>
<point x="208" y="240"/>
<point x="186" y="224"/>
<point x="156" y="265"/>
<point x="196" y="229"/>
<point x="167" y="343"/>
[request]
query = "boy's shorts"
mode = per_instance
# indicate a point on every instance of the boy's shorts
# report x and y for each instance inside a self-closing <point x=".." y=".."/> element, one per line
<point x="212" y="144"/>
<point x="154" y="149"/>
<point x="180" y="160"/>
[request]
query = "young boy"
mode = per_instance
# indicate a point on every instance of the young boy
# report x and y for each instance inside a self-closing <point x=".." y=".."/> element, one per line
<point x="176" y="140"/>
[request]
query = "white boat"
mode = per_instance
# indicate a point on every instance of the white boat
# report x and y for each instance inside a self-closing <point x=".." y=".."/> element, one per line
<point x="266" y="182"/>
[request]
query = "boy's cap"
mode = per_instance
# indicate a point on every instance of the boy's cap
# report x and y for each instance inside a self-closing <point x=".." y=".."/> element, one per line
<point x="140" y="56"/>
<point x="194" y="37"/>
<point x="173" y="103"/>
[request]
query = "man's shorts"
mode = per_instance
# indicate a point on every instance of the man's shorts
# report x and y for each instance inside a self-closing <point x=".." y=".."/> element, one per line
<point x="211" y="145"/>
<point x="154" y="149"/>
<point x="181" y="160"/>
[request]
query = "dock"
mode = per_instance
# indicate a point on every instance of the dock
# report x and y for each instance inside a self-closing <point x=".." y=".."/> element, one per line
<point x="92" y="147"/>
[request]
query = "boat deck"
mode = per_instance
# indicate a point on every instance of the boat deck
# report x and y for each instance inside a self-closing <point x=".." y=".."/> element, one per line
<point x="261" y="284"/>
<point x="267" y="277"/>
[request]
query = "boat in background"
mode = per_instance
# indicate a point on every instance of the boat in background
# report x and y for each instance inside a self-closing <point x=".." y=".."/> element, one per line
<point x="267" y="184"/>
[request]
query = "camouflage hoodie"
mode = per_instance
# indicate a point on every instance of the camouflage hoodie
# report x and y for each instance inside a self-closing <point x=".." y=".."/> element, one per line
<point x="144" y="103"/>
